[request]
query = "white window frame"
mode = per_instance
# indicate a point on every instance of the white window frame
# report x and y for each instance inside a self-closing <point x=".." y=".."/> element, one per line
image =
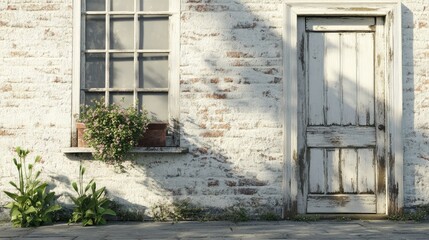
<point x="174" y="64"/>
<point x="391" y="11"/>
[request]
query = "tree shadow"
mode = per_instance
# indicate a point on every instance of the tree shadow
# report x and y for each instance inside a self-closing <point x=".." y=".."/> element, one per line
<point x="414" y="130"/>
<point x="231" y="115"/>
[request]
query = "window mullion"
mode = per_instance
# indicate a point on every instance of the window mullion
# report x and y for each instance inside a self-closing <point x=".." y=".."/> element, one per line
<point x="107" y="68"/>
<point x="83" y="55"/>
<point x="136" y="42"/>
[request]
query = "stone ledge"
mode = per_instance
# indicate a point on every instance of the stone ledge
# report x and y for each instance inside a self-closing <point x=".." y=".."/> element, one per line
<point x="156" y="150"/>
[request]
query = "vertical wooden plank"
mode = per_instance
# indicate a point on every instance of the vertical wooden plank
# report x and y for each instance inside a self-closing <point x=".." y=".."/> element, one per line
<point x="348" y="78"/>
<point x="349" y="170"/>
<point x="302" y="125"/>
<point x="316" y="170"/>
<point x="291" y="115"/>
<point x="366" y="171"/>
<point x="379" y="77"/>
<point x="315" y="78"/>
<point x="365" y="65"/>
<point x="332" y="170"/>
<point x="332" y="78"/>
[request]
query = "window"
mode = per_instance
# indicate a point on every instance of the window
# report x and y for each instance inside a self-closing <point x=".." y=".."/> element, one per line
<point x="127" y="52"/>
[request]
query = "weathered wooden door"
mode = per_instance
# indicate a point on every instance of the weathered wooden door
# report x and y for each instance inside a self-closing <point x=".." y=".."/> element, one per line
<point x="342" y="107"/>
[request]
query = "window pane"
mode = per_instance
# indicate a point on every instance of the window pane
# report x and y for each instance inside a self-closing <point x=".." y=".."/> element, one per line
<point x="122" y="5"/>
<point x="124" y="100"/>
<point x="95" y="5"/>
<point x="121" y="70"/>
<point x="154" y="5"/>
<point x="153" y="32"/>
<point x="121" y="32"/>
<point x="156" y="105"/>
<point x="95" y="34"/>
<point x="153" y="70"/>
<point x="90" y="97"/>
<point x="95" y="70"/>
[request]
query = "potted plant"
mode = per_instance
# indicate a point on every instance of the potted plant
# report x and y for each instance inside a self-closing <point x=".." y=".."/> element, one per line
<point x="111" y="130"/>
<point x="155" y="135"/>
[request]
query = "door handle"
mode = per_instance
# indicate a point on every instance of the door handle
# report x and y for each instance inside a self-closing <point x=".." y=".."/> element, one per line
<point x="381" y="127"/>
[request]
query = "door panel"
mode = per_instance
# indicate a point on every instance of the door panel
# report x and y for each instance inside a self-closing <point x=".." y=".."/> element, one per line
<point x="341" y="142"/>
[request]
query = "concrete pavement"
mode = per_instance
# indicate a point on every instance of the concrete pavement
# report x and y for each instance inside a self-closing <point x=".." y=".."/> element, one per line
<point x="375" y="229"/>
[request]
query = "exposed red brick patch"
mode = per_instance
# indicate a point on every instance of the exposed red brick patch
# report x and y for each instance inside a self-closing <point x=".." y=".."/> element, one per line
<point x="203" y="150"/>
<point x="423" y="24"/>
<point x="230" y="183"/>
<point x="41" y="7"/>
<point x="213" y="183"/>
<point x="222" y="126"/>
<point x="212" y="134"/>
<point x="5" y="133"/>
<point x="247" y="191"/>
<point x="11" y="7"/>
<point x="19" y="54"/>
<point x="251" y="182"/>
<point x="245" y="25"/>
<point x="6" y="88"/>
<point x="216" y="96"/>
<point x="229" y="80"/>
<point x="214" y="80"/>
<point x="236" y="54"/>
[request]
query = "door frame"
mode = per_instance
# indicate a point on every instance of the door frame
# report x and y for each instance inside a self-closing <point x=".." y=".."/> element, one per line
<point x="391" y="12"/>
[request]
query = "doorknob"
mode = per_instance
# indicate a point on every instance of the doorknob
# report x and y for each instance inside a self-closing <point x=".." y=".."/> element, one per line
<point x="381" y="127"/>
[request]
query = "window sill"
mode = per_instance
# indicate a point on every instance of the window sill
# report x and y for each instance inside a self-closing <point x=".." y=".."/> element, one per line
<point x="155" y="150"/>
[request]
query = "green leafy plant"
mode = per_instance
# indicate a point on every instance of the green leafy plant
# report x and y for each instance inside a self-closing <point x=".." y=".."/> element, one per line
<point x="111" y="130"/>
<point x="269" y="216"/>
<point x="185" y="210"/>
<point x="162" y="212"/>
<point x="33" y="205"/>
<point x="91" y="205"/>
<point x="236" y="214"/>
<point x="419" y="214"/>
<point x="182" y="210"/>
<point x="306" y="218"/>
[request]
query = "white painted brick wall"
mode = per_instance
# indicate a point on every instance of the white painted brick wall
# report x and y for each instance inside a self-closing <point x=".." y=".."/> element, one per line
<point x="415" y="39"/>
<point x="231" y="87"/>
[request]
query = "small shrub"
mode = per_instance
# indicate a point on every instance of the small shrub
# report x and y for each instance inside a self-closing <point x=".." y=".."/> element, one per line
<point x="126" y="213"/>
<point x="91" y="205"/>
<point x="186" y="211"/>
<point x="306" y="218"/>
<point x="420" y="214"/>
<point x="236" y="214"/>
<point x="161" y="212"/>
<point x="269" y="216"/>
<point x="111" y="130"/>
<point x="33" y="205"/>
<point x="178" y="211"/>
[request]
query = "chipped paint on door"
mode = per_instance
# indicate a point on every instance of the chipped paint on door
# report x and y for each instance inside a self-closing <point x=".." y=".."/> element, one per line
<point x="343" y="111"/>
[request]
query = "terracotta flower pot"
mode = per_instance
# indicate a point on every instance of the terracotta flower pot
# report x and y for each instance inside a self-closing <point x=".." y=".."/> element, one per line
<point x="80" y="129"/>
<point x="155" y="135"/>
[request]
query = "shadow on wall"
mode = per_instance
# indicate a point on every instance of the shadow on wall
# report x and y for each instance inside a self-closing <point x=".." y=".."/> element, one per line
<point x="415" y="131"/>
<point x="230" y="116"/>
